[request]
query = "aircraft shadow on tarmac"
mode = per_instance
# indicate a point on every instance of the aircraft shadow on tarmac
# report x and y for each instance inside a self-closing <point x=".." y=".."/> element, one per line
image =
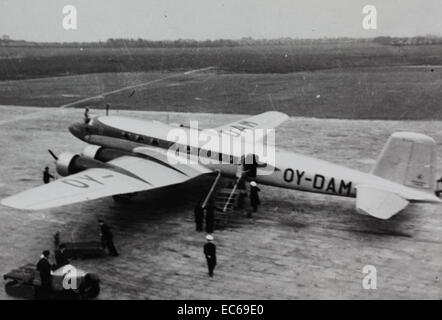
<point x="163" y="205"/>
<point x="167" y="206"/>
<point x="339" y="214"/>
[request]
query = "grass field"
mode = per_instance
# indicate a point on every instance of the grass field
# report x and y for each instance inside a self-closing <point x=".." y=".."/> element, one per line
<point x="335" y="80"/>
<point x="31" y="62"/>
<point x="352" y="93"/>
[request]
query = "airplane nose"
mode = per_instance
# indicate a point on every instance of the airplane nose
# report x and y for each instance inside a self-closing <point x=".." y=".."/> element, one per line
<point x="78" y="130"/>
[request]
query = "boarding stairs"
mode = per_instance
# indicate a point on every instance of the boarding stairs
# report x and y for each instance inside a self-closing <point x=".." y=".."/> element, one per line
<point x="226" y="196"/>
<point x="225" y="201"/>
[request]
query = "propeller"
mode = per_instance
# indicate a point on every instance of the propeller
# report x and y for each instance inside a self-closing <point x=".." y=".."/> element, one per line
<point x="52" y="154"/>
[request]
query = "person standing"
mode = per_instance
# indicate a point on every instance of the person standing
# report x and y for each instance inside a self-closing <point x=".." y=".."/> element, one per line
<point x="439" y="187"/>
<point x="242" y="192"/>
<point x="47" y="176"/>
<point x="254" y="196"/>
<point x="199" y="217"/>
<point x="210" y="217"/>
<point x="44" y="268"/>
<point x="210" y="253"/>
<point x="60" y="257"/>
<point x="107" y="238"/>
<point x="86" y="115"/>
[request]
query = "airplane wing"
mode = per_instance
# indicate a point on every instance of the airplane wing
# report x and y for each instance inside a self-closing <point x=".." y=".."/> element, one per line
<point x="125" y="174"/>
<point x="379" y="203"/>
<point x="266" y="120"/>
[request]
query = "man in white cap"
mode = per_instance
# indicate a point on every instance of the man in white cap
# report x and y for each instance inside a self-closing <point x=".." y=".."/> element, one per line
<point x="210" y="253"/>
<point x="254" y="197"/>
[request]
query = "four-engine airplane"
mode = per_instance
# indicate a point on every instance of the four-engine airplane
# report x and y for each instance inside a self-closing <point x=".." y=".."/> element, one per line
<point x="126" y="155"/>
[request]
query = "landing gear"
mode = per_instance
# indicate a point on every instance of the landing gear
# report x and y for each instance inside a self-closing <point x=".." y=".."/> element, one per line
<point x="124" y="198"/>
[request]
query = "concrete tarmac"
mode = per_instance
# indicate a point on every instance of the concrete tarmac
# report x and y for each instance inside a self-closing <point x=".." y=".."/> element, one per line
<point x="298" y="246"/>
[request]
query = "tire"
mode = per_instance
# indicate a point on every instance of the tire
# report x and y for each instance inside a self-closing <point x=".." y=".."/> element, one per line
<point x="20" y="290"/>
<point x="90" y="288"/>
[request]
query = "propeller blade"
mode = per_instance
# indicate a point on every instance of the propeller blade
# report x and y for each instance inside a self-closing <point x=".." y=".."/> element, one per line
<point x="52" y="154"/>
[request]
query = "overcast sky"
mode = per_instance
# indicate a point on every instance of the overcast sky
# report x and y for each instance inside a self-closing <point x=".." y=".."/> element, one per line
<point x="212" y="19"/>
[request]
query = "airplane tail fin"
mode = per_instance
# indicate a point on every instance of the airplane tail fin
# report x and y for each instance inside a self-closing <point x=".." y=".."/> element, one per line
<point x="410" y="159"/>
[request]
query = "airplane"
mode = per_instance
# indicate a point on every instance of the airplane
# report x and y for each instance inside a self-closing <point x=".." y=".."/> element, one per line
<point x="125" y="156"/>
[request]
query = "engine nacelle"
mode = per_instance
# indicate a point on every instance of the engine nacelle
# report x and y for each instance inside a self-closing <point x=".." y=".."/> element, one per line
<point x="91" y="151"/>
<point x="69" y="163"/>
<point x="64" y="162"/>
<point x="102" y="153"/>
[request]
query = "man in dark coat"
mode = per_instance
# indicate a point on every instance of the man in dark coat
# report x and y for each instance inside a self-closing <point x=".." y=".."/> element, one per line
<point x="107" y="238"/>
<point x="199" y="217"/>
<point x="439" y="187"/>
<point x="44" y="268"/>
<point x="86" y="116"/>
<point x="210" y="253"/>
<point x="60" y="257"/>
<point x="254" y="196"/>
<point x="47" y="176"/>
<point x="210" y="217"/>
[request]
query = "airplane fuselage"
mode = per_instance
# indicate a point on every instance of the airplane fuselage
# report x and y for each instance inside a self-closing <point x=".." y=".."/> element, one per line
<point x="291" y="170"/>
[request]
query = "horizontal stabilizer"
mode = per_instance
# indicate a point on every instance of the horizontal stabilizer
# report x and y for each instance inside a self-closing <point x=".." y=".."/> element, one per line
<point x="378" y="203"/>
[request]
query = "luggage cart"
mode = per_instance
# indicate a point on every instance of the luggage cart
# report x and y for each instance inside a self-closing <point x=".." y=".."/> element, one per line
<point x="23" y="282"/>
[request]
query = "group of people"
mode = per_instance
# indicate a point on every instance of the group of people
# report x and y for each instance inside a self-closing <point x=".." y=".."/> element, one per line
<point x="44" y="266"/>
<point x="202" y="214"/>
<point x="209" y="214"/>
<point x="206" y="214"/>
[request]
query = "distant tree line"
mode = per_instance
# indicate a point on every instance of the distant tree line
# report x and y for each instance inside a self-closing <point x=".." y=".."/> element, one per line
<point x="180" y="43"/>
<point x="414" y="41"/>
<point x="189" y="43"/>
